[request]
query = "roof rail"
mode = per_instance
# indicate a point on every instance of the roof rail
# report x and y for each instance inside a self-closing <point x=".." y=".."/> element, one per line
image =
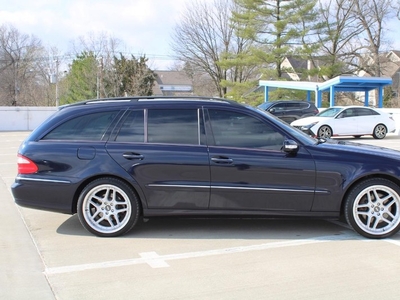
<point x="147" y="98"/>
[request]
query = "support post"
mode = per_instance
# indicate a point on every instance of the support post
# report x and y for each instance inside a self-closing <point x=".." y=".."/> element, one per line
<point x="332" y="96"/>
<point x="366" y="99"/>
<point x="266" y="91"/>
<point x="380" y="97"/>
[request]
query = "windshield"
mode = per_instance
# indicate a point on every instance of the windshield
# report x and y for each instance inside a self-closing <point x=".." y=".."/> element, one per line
<point x="330" y="112"/>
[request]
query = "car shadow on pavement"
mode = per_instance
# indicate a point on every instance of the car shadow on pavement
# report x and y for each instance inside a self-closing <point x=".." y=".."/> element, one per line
<point x="226" y="228"/>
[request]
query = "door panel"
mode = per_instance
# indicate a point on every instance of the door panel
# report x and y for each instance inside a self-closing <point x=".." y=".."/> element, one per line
<point x="366" y="124"/>
<point x="249" y="170"/>
<point x="261" y="180"/>
<point x="170" y="176"/>
<point x="345" y="126"/>
<point x="166" y="158"/>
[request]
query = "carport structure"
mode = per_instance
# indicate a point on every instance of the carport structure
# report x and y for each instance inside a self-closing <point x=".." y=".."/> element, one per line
<point x="337" y="84"/>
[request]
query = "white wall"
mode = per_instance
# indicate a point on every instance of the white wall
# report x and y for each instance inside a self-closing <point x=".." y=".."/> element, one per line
<point x="23" y="118"/>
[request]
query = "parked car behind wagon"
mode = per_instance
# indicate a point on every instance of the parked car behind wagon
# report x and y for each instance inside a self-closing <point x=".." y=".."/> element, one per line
<point x="290" y="111"/>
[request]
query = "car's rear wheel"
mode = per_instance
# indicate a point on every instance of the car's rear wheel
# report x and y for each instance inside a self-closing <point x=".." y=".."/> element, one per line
<point x="324" y="132"/>
<point x="108" y="207"/>
<point x="372" y="208"/>
<point x="380" y="131"/>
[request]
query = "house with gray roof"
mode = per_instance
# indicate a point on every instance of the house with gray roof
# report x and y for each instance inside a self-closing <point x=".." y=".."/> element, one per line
<point x="172" y="83"/>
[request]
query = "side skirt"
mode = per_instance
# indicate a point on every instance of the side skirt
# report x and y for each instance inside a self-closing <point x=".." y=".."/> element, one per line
<point x="236" y="213"/>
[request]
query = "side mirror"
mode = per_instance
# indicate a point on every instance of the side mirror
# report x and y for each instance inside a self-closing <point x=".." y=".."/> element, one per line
<point x="272" y="110"/>
<point x="290" y="146"/>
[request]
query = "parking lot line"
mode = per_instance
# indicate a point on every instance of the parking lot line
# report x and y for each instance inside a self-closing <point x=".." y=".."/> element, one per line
<point x="156" y="261"/>
<point x="394" y="242"/>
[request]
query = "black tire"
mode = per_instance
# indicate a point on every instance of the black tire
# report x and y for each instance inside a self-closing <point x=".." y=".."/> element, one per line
<point x="108" y="207"/>
<point x="324" y="132"/>
<point x="372" y="208"/>
<point x="379" y="132"/>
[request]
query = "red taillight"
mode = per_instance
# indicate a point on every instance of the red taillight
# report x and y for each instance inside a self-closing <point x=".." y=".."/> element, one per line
<point x="25" y="165"/>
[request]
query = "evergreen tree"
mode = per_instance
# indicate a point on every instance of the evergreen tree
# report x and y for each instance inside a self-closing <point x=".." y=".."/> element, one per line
<point x="134" y="76"/>
<point x="82" y="79"/>
<point x="280" y="28"/>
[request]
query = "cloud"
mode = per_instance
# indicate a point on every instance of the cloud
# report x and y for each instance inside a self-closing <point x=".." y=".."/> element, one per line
<point x="145" y="26"/>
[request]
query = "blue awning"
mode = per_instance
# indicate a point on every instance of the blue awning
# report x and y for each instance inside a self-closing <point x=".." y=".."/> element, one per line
<point x="337" y="84"/>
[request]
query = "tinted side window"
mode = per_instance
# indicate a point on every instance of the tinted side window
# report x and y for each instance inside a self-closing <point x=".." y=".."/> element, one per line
<point x="132" y="129"/>
<point x="88" y="127"/>
<point x="294" y="106"/>
<point x="280" y="106"/>
<point x="173" y="126"/>
<point x="350" y="112"/>
<point x="365" y="112"/>
<point x="232" y="129"/>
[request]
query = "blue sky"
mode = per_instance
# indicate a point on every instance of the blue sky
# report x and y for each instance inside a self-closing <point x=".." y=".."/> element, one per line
<point x="144" y="26"/>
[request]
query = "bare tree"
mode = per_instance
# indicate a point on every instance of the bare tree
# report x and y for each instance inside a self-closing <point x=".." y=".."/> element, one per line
<point x="204" y="38"/>
<point x="398" y="9"/>
<point x="51" y="70"/>
<point x="19" y="56"/>
<point x="373" y="15"/>
<point x="339" y="27"/>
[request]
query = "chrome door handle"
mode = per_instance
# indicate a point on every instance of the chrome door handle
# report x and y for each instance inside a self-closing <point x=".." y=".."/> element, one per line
<point x="130" y="155"/>
<point x="222" y="160"/>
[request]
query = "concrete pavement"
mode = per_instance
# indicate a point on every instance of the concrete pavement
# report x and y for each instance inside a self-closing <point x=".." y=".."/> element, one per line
<point x="21" y="275"/>
<point x="45" y="255"/>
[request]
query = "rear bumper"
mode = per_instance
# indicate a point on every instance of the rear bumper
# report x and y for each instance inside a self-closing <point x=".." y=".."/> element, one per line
<point x="56" y="197"/>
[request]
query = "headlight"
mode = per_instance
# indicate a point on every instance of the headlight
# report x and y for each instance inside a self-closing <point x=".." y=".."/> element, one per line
<point x="307" y="127"/>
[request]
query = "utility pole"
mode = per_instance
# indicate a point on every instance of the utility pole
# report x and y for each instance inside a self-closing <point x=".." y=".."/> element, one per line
<point x="56" y="79"/>
<point x="14" y="103"/>
<point x="57" y="99"/>
<point x="99" y="77"/>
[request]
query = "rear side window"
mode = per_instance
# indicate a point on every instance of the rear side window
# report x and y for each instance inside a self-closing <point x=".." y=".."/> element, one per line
<point x="88" y="127"/>
<point x="365" y="112"/>
<point x="173" y="126"/>
<point x="132" y="129"/>
<point x="304" y="105"/>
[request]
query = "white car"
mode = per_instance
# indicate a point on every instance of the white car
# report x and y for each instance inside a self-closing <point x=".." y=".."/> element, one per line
<point x="347" y="120"/>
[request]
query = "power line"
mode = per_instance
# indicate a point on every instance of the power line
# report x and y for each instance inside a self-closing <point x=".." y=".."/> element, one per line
<point x="66" y="57"/>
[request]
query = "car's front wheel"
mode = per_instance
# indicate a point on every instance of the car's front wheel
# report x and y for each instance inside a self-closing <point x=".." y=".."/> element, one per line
<point x="108" y="207"/>
<point x="372" y="208"/>
<point x="324" y="132"/>
<point x="380" y="131"/>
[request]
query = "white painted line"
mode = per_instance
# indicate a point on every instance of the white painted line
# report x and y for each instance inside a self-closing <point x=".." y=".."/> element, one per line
<point x="153" y="259"/>
<point x="394" y="242"/>
<point x="157" y="261"/>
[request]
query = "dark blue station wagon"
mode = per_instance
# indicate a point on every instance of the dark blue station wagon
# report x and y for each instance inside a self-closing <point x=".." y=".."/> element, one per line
<point x="112" y="161"/>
